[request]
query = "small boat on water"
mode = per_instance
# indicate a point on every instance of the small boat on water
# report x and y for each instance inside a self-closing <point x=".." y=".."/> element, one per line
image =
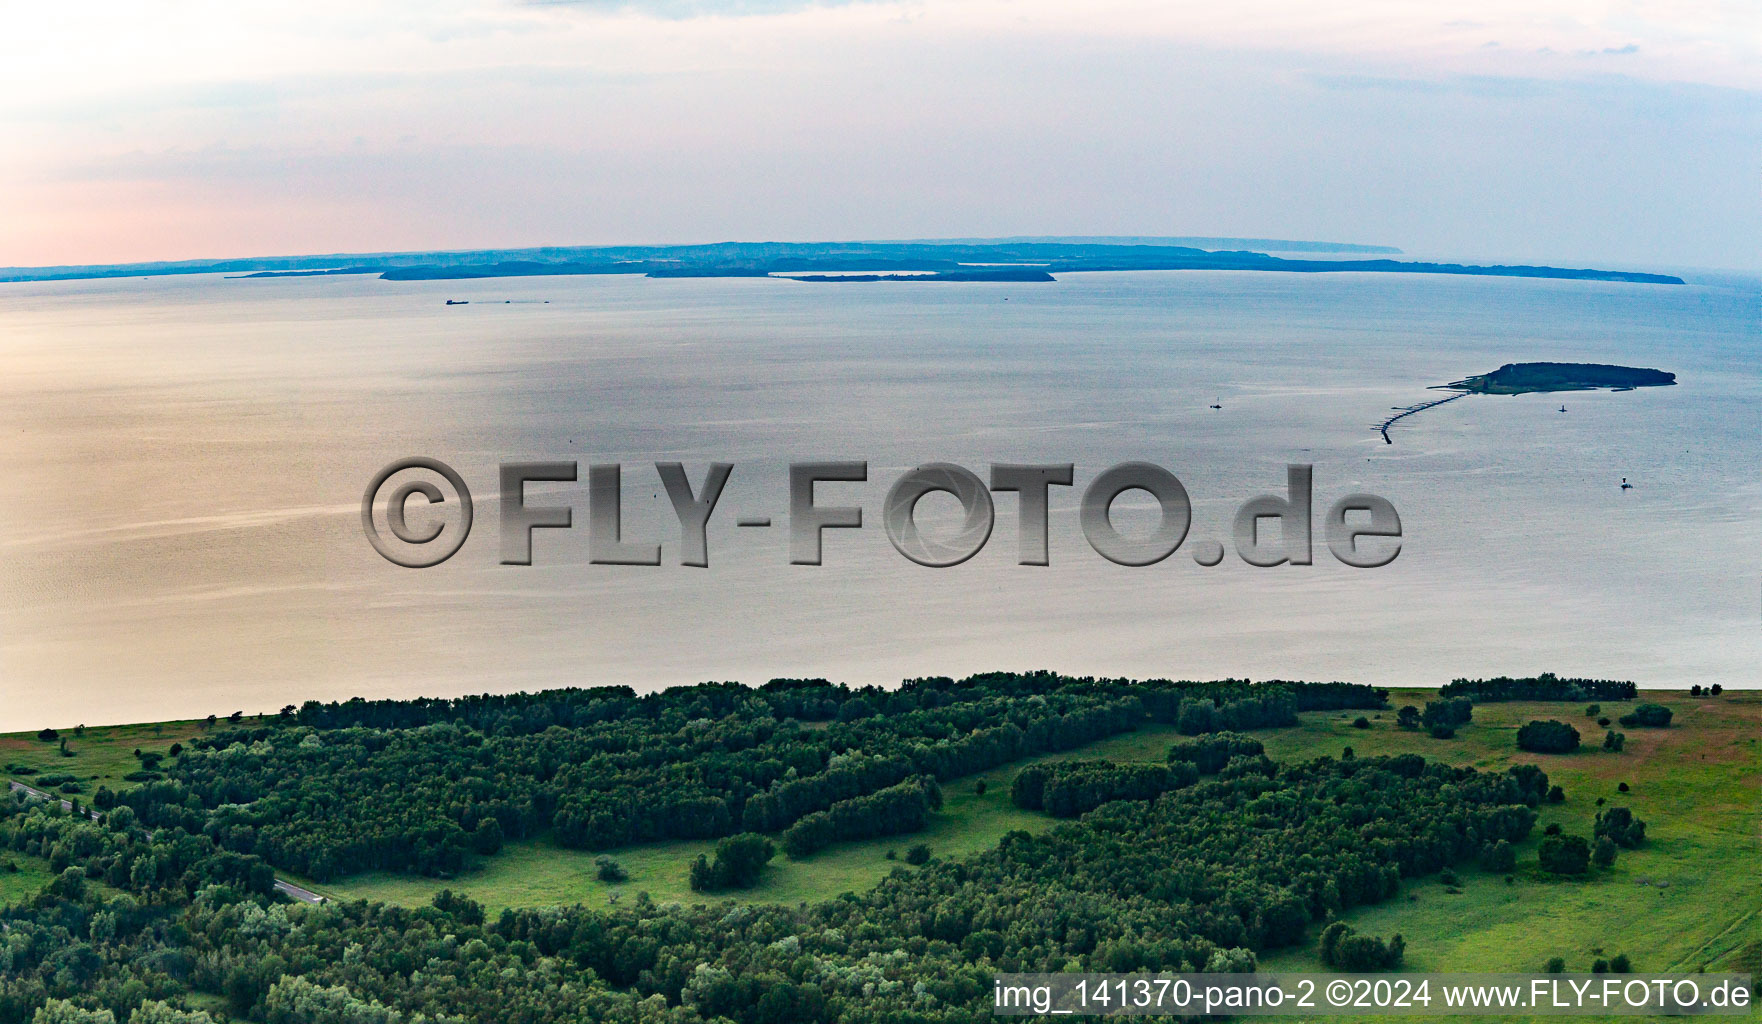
<point x="1215" y="405"/>
<point x="1563" y="408"/>
<point x="458" y="302"/>
<point x="1625" y="485"/>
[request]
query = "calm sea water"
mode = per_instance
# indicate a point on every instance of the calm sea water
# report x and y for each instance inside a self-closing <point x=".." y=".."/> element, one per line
<point x="182" y="462"/>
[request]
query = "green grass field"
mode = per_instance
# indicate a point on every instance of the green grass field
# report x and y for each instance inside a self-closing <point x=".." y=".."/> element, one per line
<point x="1685" y="900"/>
<point x="102" y="755"/>
<point x="18" y="886"/>
<point x="1688" y="899"/>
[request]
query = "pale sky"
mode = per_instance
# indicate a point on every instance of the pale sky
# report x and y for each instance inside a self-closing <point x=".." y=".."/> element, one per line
<point x="1589" y="131"/>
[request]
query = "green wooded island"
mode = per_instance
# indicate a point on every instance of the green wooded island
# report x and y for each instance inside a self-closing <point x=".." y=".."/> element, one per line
<point x="1529" y="378"/>
<point x="805" y="851"/>
<point x="1526" y="378"/>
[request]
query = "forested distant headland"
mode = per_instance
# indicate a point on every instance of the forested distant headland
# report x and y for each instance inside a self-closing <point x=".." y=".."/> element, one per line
<point x="1019" y="259"/>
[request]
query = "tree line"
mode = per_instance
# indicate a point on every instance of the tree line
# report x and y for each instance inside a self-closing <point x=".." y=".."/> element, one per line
<point x="1545" y="687"/>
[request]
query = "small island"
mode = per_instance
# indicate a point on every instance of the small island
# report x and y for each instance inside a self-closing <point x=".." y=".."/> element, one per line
<point x="1529" y="378"/>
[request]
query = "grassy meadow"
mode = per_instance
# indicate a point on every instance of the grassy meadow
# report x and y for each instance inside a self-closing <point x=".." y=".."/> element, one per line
<point x="97" y="755"/>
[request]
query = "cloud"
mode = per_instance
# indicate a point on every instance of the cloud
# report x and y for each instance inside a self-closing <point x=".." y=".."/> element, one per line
<point x="681" y="9"/>
<point x="210" y="128"/>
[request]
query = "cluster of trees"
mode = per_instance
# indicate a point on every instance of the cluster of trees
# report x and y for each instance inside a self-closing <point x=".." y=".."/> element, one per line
<point x="427" y="799"/>
<point x="1066" y="789"/>
<point x="886" y="812"/>
<point x="737" y="864"/>
<point x="1550" y="737"/>
<point x="1546" y="686"/>
<point x="1562" y="854"/>
<point x="1199" y="878"/>
<point x="426" y="786"/>
<point x="1344" y="949"/>
<point x="1443" y="717"/>
<point x="1651" y="716"/>
<point x="1618" y="825"/>
<point x="1209" y="754"/>
<point x="1273" y="711"/>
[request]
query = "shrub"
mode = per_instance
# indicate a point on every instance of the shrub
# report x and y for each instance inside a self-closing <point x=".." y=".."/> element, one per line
<point x="1603" y="722"/>
<point x="979" y="788"/>
<point x="1442" y="732"/>
<point x="1603" y="852"/>
<point x="609" y="870"/>
<point x="1550" y="737"/>
<point x="1361" y="722"/>
<point x="1407" y="717"/>
<point x="1499" y="857"/>
<point x="1620" y="964"/>
<point x="1564" y="855"/>
<point x="1348" y="754"/>
<point x="1649" y="716"/>
<point x="1623" y="788"/>
<point x="1450" y="712"/>
<point x="1555" y="965"/>
<point x="1716" y="689"/>
<point x="1614" y="741"/>
<point x="1556" y="795"/>
<point x="739" y="859"/>
<point x="917" y="853"/>
<point x="1345" y="950"/>
<point x="1599" y="966"/>
<point x="48" y="735"/>
<point x="1591" y="712"/>
<point x="1619" y="825"/>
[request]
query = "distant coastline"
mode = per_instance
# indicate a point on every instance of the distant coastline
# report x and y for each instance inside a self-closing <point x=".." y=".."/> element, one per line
<point x="952" y="260"/>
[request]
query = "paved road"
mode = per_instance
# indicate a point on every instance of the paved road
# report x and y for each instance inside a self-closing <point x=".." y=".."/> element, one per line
<point x="302" y="894"/>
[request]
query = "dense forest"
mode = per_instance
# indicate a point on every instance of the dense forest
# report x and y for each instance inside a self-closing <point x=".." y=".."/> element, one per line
<point x="424" y="786"/>
<point x="1546" y="686"/>
<point x="1252" y="857"/>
